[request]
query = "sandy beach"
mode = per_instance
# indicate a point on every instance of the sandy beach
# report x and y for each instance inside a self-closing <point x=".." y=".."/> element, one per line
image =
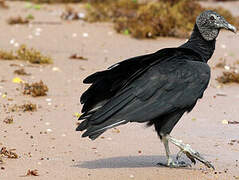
<point x="46" y="140"/>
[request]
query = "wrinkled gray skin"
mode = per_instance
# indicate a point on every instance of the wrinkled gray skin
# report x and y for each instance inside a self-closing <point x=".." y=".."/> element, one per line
<point x="209" y="24"/>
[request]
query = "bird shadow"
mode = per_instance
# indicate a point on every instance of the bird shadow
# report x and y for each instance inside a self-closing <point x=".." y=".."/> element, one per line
<point x="122" y="162"/>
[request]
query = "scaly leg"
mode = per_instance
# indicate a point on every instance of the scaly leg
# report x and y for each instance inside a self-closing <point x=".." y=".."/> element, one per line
<point x="170" y="162"/>
<point x="190" y="153"/>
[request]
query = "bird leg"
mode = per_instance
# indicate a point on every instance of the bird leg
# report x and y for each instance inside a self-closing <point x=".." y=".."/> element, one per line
<point x="170" y="162"/>
<point x="190" y="153"/>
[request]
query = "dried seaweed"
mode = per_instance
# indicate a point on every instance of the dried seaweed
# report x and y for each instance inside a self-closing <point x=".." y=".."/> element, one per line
<point x="26" y="54"/>
<point x="7" y="55"/>
<point x="174" y="18"/>
<point x="3" y="4"/>
<point x="32" y="172"/>
<point x="77" y="56"/>
<point x="32" y="55"/>
<point x="24" y="107"/>
<point x="21" y="72"/>
<point x="221" y="64"/>
<point x="8" y="120"/>
<point x="35" y="89"/>
<point x="8" y="153"/>
<point x="17" y="20"/>
<point x="228" y="77"/>
<point x="71" y="14"/>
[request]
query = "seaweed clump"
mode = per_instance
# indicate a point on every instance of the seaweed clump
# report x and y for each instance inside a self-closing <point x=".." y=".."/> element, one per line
<point x="174" y="18"/>
<point x="8" y="120"/>
<point x="53" y="1"/>
<point x="228" y="77"/>
<point x="17" y="20"/>
<point x="3" y="4"/>
<point x="21" y="72"/>
<point x="32" y="55"/>
<point x="71" y="14"/>
<point x="27" y="107"/>
<point x="35" y="89"/>
<point x="26" y="54"/>
<point x="8" y="153"/>
<point x="7" y="55"/>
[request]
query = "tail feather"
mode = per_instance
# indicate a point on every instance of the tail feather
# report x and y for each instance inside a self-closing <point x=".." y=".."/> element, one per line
<point x="83" y="125"/>
<point x="99" y="129"/>
<point x="112" y="107"/>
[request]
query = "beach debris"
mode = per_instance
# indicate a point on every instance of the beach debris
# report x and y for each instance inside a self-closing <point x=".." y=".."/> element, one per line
<point x="56" y="69"/>
<point x="17" y="80"/>
<point x="221" y="64"/>
<point x="224" y="121"/>
<point x="115" y="130"/>
<point x="85" y="35"/>
<point x="30" y="17"/>
<point x="78" y="115"/>
<point x="147" y="19"/>
<point x="77" y="56"/>
<point x="233" y="141"/>
<point x="4" y="95"/>
<point x="21" y="72"/>
<point x="29" y="5"/>
<point x="3" y="4"/>
<point x="228" y="77"/>
<point x="233" y="122"/>
<point x="26" y="107"/>
<point x="131" y="176"/>
<point x="32" y="172"/>
<point x="47" y="123"/>
<point x="49" y="130"/>
<point x="17" y="20"/>
<point x="71" y="14"/>
<point x="221" y="94"/>
<point x="26" y="54"/>
<point x="226" y="67"/>
<point x="8" y="120"/>
<point x="8" y="153"/>
<point x="35" y="89"/>
<point x="7" y="55"/>
<point x="32" y="55"/>
<point x="48" y="99"/>
<point x="194" y="119"/>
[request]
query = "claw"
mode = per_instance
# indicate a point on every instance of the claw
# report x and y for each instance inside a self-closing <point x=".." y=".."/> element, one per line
<point x="190" y="157"/>
<point x="190" y="153"/>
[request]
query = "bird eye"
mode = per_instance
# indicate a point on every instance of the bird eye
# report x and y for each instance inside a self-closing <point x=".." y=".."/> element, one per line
<point x="212" y="18"/>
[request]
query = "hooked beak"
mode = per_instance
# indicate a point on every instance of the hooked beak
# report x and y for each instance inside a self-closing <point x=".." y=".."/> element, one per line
<point x="230" y="27"/>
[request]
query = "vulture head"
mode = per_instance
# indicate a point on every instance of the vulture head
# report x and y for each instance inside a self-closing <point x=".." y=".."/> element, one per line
<point x="209" y="24"/>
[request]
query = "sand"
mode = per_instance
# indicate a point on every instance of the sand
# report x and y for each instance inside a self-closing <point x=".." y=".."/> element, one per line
<point x="46" y="139"/>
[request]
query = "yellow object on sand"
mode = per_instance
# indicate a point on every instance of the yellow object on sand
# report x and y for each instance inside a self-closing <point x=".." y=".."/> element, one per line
<point x="78" y="115"/>
<point x="17" y="80"/>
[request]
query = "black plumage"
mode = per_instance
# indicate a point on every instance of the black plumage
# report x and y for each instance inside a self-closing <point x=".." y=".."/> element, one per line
<point x="156" y="89"/>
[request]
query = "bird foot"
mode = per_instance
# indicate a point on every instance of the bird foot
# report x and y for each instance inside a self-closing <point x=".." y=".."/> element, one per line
<point x="190" y="153"/>
<point x="175" y="164"/>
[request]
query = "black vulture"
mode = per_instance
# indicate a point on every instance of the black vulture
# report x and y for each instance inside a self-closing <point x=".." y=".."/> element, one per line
<point x="156" y="88"/>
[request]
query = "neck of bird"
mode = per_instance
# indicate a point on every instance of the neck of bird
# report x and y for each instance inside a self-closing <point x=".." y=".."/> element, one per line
<point x="198" y="44"/>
